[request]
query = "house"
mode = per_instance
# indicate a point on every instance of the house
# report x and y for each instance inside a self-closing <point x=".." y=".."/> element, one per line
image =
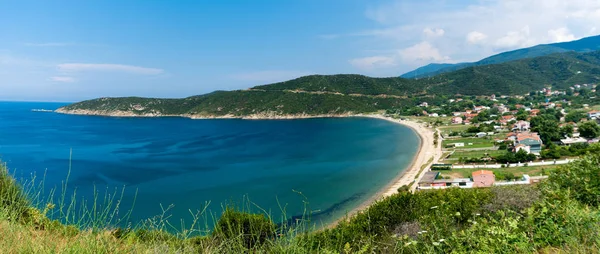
<point x="424" y="104"/>
<point x="511" y="137"/>
<point x="502" y="109"/>
<point x="483" y="178"/>
<point x="481" y="134"/>
<point x="459" y="144"/>
<point x="428" y="178"/>
<point x="508" y="118"/>
<point x="521" y="126"/>
<point x="534" y="112"/>
<point x="434" y="115"/>
<point x="524" y="147"/>
<point x="457" y="113"/>
<point x="480" y="108"/>
<point x="531" y="139"/>
<point x="457" y="120"/>
<point x="594" y="114"/>
<point x="570" y="141"/>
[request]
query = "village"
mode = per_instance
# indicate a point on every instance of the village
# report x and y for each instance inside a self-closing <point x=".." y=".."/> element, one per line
<point x="504" y="140"/>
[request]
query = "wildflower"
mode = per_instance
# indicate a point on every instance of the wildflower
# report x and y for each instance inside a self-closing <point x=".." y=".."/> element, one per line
<point x="477" y="214"/>
<point x="436" y="243"/>
<point x="457" y="214"/>
<point x="407" y="244"/>
<point x="433" y="207"/>
<point x="474" y="222"/>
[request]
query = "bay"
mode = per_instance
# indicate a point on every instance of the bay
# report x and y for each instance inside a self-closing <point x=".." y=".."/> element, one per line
<point x="324" y="167"/>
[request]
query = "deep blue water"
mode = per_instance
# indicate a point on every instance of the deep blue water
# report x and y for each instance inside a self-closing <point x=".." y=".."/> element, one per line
<point x="335" y="164"/>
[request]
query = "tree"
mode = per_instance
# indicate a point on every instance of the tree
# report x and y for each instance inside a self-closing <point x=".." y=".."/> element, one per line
<point x="566" y="131"/>
<point x="589" y="129"/>
<point x="547" y="127"/>
<point x="575" y="116"/>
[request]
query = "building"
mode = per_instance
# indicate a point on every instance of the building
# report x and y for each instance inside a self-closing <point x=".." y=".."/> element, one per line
<point x="521" y="126"/>
<point x="434" y="115"/>
<point x="428" y="178"/>
<point x="483" y="178"/>
<point x="594" y="114"/>
<point x="508" y="118"/>
<point x="424" y="104"/>
<point x="523" y="147"/>
<point x="457" y="120"/>
<point x="481" y="134"/>
<point x="530" y="139"/>
<point x="570" y="141"/>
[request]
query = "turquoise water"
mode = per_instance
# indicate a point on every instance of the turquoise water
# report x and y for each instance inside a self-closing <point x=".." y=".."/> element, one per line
<point x="333" y="164"/>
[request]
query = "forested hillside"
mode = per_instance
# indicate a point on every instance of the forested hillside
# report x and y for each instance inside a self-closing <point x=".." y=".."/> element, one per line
<point x="583" y="45"/>
<point x="342" y="94"/>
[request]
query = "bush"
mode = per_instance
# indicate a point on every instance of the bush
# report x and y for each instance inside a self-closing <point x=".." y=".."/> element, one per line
<point x="251" y="229"/>
<point x="580" y="178"/>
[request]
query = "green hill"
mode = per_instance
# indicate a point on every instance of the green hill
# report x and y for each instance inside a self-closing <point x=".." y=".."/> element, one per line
<point x="345" y="94"/>
<point x="583" y="45"/>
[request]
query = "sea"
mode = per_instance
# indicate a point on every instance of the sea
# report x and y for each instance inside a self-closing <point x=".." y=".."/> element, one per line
<point x="171" y="168"/>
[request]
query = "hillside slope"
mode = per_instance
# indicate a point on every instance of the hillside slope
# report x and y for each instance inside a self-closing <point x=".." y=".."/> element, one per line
<point x="350" y="94"/>
<point x="583" y="45"/>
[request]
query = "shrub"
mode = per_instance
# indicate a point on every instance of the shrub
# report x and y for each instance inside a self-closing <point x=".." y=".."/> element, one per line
<point x="251" y="229"/>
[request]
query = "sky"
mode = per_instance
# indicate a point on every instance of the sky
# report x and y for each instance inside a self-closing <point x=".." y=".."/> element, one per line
<point x="70" y="50"/>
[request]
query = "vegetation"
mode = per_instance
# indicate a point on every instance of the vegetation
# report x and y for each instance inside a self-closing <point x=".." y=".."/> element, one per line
<point x="342" y="94"/>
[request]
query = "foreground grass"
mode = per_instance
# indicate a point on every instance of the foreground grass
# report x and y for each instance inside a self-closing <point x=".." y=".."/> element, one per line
<point x="558" y="216"/>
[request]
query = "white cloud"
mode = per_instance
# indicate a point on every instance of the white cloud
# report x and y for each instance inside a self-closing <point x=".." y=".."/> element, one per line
<point x="269" y="75"/>
<point x="373" y="62"/>
<point x="63" y="79"/>
<point x="493" y="25"/>
<point x="476" y="37"/>
<point x="80" y="67"/>
<point x="561" y="35"/>
<point x="437" y="32"/>
<point x="421" y="52"/>
<point x="516" y="39"/>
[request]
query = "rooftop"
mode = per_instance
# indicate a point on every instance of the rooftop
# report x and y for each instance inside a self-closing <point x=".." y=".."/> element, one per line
<point x="482" y="172"/>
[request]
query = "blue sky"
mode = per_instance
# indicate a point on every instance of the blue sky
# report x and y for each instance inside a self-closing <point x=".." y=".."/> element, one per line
<point x="74" y="50"/>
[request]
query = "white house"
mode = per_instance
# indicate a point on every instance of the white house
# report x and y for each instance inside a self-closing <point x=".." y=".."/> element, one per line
<point x="521" y="126"/>
<point x="594" y="114"/>
<point x="481" y="134"/>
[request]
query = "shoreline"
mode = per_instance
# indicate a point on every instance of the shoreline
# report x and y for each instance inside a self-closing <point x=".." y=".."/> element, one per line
<point x="405" y="177"/>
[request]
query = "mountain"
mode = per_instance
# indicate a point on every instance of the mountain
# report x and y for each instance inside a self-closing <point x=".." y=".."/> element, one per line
<point x="348" y="94"/>
<point x="583" y="45"/>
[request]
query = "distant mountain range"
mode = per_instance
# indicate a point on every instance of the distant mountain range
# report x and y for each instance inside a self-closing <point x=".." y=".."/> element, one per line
<point x="583" y="45"/>
<point x="348" y="93"/>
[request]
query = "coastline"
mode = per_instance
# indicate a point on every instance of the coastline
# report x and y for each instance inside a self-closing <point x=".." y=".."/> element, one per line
<point x="407" y="175"/>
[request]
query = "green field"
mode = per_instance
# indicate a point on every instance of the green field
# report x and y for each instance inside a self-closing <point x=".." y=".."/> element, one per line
<point x="477" y="142"/>
<point x="456" y="128"/>
<point x="517" y="171"/>
<point x="474" y="154"/>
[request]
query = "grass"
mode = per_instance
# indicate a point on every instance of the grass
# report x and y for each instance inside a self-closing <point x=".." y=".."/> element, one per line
<point x="454" y="128"/>
<point x="517" y="171"/>
<point x="474" y="154"/>
<point x="477" y="142"/>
